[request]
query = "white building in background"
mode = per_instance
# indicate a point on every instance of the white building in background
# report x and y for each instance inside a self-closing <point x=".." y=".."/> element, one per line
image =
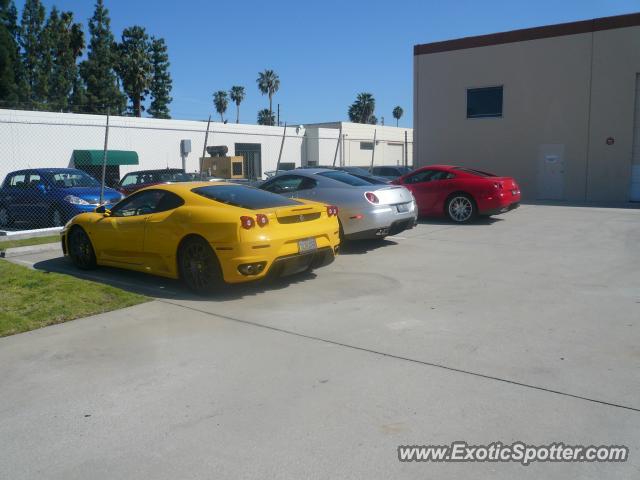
<point x="393" y="145"/>
<point x="46" y="139"/>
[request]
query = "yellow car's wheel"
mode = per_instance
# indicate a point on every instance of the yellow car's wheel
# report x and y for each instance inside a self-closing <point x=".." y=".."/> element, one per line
<point x="199" y="266"/>
<point x="80" y="249"/>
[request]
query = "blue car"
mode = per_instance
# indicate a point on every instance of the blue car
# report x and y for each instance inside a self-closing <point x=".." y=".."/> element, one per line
<point x="50" y="196"/>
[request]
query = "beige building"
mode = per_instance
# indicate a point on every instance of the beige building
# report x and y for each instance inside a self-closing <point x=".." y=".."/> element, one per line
<point x="556" y="107"/>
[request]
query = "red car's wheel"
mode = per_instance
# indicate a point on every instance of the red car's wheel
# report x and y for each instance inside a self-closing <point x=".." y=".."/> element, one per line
<point x="461" y="208"/>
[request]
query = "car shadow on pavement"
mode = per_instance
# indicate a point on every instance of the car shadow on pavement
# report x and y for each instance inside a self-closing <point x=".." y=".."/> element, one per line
<point x="165" y="288"/>
<point x="358" y="247"/>
<point x="480" y="221"/>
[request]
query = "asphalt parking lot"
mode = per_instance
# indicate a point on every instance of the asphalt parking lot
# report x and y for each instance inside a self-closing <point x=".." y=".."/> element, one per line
<point x="521" y="327"/>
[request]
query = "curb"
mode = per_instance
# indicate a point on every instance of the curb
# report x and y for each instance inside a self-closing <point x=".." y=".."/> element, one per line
<point x="19" y="251"/>
<point x="21" y="234"/>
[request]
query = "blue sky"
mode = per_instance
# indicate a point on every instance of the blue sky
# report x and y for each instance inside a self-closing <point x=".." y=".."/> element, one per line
<point x="324" y="51"/>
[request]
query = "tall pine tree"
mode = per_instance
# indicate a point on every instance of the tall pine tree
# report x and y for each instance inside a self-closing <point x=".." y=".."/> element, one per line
<point x="45" y="64"/>
<point x="161" y="82"/>
<point x="97" y="71"/>
<point x="30" y="37"/>
<point x="134" y="66"/>
<point x="77" y="99"/>
<point x="66" y="41"/>
<point x="9" y="58"/>
<point x="9" y="16"/>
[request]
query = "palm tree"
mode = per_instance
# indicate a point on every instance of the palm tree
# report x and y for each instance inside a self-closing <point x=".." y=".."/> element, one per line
<point x="221" y="102"/>
<point x="397" y="113"/>
<point x="237" y="96"/>
<point x="265" y="117"/>
<point x="268" y="84"/>
<point x="361" y="111"/>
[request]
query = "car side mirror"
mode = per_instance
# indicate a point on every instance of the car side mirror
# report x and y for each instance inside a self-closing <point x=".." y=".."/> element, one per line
<point x="103" y="210"/>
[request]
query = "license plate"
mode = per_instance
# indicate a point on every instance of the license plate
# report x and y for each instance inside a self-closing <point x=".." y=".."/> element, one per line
<point x="403" y="207"/>
<point x="307" y="245"/>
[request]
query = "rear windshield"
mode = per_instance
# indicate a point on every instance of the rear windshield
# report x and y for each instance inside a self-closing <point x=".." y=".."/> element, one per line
<point x="475" y="172"/>
<point x="355" y="171"/>
<point x="244" y="197"/>
<point x="345" y="177"/>
<point x="371" y="180"/>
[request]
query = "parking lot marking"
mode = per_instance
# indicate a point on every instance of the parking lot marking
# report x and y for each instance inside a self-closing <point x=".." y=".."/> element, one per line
<point x="406" y="359"/>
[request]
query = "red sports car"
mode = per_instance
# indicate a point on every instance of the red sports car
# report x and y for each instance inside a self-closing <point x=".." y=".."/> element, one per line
<point x="460" y="193"/>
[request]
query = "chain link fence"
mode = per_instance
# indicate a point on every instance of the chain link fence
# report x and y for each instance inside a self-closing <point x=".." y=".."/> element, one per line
<point x="53" y="164"/>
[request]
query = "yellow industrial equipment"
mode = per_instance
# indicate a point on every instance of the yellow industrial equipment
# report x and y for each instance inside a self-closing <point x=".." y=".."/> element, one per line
<point x="222" y="167"/>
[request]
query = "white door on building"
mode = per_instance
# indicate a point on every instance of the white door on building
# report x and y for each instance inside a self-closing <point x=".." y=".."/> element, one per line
<point x="394" y="154"/>
<point x="634" y="195"/>
<point x="551" y="172"/>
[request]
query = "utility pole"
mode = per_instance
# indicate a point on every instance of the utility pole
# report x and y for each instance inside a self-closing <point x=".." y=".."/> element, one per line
<point x="335" y="155"/>
<point x="104" y="157"/>
<point x="284" y="135"/>
<point x="406" y="150"/>
<point x="206" y="139"/>
<point x="373" y="150"/>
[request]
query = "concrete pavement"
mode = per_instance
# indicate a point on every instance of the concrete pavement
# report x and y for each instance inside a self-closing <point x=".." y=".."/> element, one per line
<point x="524" y="327"/>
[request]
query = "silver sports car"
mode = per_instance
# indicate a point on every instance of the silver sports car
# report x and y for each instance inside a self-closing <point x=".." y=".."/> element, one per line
<point x="365" y="210"/>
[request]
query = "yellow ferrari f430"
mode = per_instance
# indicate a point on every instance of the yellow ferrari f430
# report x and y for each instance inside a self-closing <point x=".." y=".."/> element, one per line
<point x="205" y="234"/>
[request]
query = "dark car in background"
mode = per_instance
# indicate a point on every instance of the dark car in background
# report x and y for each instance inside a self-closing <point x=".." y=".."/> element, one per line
<point x="50" y="196"/>
<point x="360" y="172"/>
<point x="134" y="181"/>
<point x="390" y="172"/>
<point x="364" y="174"/>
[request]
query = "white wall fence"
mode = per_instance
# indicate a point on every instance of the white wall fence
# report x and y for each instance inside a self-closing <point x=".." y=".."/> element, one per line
<point x="42" y="139"/>
<point x="45" y="139"/>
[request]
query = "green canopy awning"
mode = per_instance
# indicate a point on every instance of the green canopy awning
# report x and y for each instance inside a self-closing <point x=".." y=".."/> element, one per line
<point x="95" y="157"/>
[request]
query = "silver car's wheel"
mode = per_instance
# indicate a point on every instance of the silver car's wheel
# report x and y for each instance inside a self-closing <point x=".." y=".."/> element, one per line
<point x="460" y="208"/>
<point x="4" y="217"/>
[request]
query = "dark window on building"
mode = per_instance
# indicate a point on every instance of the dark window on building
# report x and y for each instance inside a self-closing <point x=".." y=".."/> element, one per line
<point x="484" y="102"/>
<point x="366" y="145"/>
